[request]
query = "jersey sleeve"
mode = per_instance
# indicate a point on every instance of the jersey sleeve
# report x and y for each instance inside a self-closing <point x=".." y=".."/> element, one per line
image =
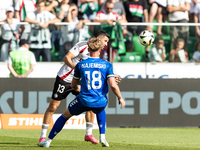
<point x="9" y="60"/>
<point x="33" y="60"/>
<point x="75" y="50"/>
<point x="50" y="15"/>
<point x="99" y="15"/>
<point x="77" y="74"/>
<point x="110" y="71"/>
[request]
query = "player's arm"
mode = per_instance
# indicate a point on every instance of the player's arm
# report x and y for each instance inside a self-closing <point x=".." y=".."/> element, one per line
<point x="75" y="85"/>
<point x="29" y="71"/>
<point x="117" y="79"/>
<point x="116" y="90"/>
<point x="12" y="71"/>
<point x="68" y="60"/>
<point x="76" y="78"/>
<point x="27" y="19"/>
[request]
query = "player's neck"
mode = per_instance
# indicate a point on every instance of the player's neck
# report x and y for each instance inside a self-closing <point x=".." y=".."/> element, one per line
<point x="94" y="54"/>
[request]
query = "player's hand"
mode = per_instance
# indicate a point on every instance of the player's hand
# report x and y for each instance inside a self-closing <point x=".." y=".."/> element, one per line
<point x="65" y="7"/>
<point x="117" y="79"/>
<point x="45" y="25"/>
<point x="110" y="22"/>
<point x="78" y="88"/>
<point x="54" y="3"/>
<point x="122" y="102"/>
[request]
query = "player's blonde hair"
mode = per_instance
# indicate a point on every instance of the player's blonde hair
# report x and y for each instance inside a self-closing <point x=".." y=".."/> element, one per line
<point x="94" y="44"/>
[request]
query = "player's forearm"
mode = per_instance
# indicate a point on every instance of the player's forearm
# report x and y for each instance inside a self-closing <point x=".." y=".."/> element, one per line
<point x="31" y="21"/>
<point x="69" y="16"/>
<point x="54" y="21"/>
<point x="146" y="15"/>
<point x="172" y="8"/>
<point x="51" y="6"/>
<point x="17" y="15"/>
<point x="61" y="15"/>
<point x="115" y="87"/>
<point x="116" y="91"/>
<point x="196" y="21"/>
<point x="100" y="21"/>
<point x="74" y="85"/>
<point x="69" y="62"/>
<point x="12" y="71"/>
<point x="29" y="71"/>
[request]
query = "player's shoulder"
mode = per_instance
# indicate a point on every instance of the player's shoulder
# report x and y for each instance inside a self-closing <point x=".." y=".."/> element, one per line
<point x="105" y="61"/>
<point x="81" y="43"/>
<point x="116" y="14"/>
<point x="100" y="12"/>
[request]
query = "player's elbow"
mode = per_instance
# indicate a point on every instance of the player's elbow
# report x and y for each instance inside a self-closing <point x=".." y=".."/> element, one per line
<point x="73" y="85"/>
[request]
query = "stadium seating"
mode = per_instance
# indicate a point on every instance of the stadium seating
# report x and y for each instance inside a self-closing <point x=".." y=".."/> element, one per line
<point x="191" y="46"/>
<point x="55" y="56"/>
<point x="131" y="57"/>
<point x="137" y="46"/>
<point x="192" y="30"/>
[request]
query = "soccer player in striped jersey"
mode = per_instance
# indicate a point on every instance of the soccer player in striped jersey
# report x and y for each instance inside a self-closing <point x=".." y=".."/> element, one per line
<point x="94" y="73"/>
<point x="62" y="85"/>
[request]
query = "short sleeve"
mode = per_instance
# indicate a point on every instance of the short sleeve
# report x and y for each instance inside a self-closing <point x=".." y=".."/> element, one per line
<point x="77" y="74"/>
<point x="98" y="16"/>
<point x="145" y="4"/>
<point x="122" y="7"/>
<point x="31" y="16"/>
<point x="75" y="50"/>
<point x="110" y="71"/>
<point x="9" y="60"/>
<point x="196" y="8"/>
<point x="33" y="61"/>
<point x="50" y="15"/>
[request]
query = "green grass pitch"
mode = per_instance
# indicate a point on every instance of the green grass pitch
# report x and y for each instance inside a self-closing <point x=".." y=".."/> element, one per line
<point x="118" y="138"/>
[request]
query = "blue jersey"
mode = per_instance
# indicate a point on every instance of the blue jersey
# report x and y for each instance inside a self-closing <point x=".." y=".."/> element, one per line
<point x="93" y="73"/>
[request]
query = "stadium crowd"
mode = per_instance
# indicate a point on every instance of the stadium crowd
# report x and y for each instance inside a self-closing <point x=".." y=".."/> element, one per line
<point x="51" y="42"/>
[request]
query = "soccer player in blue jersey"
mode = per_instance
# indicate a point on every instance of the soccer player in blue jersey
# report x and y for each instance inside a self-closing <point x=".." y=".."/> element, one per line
<point x="94" y="73"/>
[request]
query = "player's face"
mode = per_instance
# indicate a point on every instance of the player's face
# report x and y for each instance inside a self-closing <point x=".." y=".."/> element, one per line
<point x="109" y="7"/>
<point x="104" y="41"/>
<point x="9" y="14"/>
<point x="180" y="45"/>
<point x="40" y="7"/>
<point x="160" y="44"/>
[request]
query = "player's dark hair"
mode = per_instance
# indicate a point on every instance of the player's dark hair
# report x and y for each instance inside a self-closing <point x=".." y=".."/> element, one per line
<point x="102" y="33"/>
<point x="73" y="4"/>
<point x="108" y="1"/>
<point x="94" y="44"/>
<point x="180" y="40"/>
<point x="158" y="39"/>
<point x="40" y="1"/>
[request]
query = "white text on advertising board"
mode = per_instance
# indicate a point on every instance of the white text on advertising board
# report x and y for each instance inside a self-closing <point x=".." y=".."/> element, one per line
<point x="168" y="100"/>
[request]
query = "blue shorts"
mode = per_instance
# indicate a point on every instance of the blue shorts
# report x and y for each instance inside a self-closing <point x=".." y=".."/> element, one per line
<point x="76" y="107"/>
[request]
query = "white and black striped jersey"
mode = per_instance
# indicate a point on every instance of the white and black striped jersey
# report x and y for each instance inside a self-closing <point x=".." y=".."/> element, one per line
<point x="80" y="51"/>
